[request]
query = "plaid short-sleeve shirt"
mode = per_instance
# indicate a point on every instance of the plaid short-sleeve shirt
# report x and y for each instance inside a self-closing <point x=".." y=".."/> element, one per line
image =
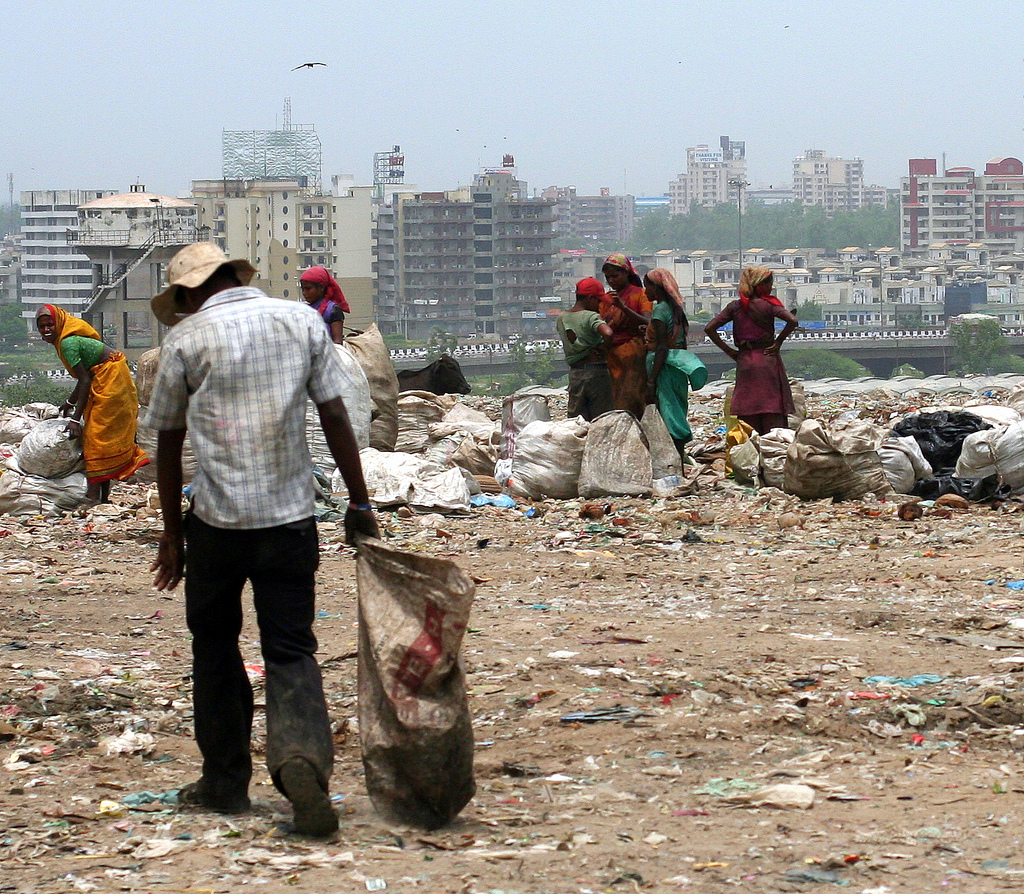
<point x="237" y="374"/>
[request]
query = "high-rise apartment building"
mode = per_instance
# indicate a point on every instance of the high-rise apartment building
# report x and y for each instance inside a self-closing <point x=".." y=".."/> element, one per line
<point x="53" y="271"/>
<point x="602" y="218"/>
<point x="283" y="228"/>
<point x="713" y="176"/>
<point x="477" y="261"/>
<point x="833" y="183"/>
<point x="960" y="205"/>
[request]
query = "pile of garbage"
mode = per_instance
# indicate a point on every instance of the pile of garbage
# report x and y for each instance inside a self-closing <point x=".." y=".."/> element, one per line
<point x="42" y="466"/>
<point x="975" y="451"/>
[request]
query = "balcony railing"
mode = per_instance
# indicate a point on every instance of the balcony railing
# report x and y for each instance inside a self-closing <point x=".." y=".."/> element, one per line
<point x="140" y="237"/>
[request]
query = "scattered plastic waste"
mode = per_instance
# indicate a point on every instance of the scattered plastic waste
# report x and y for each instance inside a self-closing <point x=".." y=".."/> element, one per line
<point x="503" y="501"/>
<point x="910" y="682"/>
<point x="815" y="875"/>
<point x="720" y="787"/>
<point x="598" y="715"/>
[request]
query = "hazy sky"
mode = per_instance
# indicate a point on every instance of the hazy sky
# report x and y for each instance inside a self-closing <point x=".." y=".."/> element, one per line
<point x="101" y="95"/>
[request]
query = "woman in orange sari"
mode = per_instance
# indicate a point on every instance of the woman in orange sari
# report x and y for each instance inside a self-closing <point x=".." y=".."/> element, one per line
<point x="627" y="310"/>
<point x="104" y="404"/>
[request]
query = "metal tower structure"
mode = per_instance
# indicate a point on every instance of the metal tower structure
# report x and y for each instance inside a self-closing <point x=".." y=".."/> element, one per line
<point x="388" y="167"/>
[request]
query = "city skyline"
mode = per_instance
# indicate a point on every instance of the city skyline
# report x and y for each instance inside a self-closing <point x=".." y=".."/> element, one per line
<point x="142" y="91"/>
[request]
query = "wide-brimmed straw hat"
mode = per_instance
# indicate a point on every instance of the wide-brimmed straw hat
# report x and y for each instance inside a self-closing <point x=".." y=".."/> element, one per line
<point x="191" y="267"/>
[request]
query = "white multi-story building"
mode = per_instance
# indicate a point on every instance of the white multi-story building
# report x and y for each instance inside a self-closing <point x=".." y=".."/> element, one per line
<point x="833" y="183"/>
<point x="53" y="271"/>
<point x="713" y="176"/>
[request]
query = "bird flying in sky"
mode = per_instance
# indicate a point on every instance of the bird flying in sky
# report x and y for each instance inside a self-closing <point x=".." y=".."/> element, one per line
<point x="309" y="65"/>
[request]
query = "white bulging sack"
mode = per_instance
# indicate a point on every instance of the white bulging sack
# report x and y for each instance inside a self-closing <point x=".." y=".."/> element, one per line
<point x="547" y="460"/>
<point x="47" y="451"/>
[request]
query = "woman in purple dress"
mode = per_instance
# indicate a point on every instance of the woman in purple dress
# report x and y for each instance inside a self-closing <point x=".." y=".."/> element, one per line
<point x="762" y="397"/>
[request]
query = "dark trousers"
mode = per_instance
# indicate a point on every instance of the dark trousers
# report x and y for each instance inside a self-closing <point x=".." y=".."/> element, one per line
<point x="590" y="391"/>
<point x="280" y="562"/>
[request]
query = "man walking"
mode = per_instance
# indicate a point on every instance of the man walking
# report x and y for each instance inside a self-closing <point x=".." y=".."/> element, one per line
<point x="235" y="371"/>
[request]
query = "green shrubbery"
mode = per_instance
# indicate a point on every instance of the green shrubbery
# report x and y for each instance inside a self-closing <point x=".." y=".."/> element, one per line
<point x="817" y="363"/>
<point x="36" y="388"/>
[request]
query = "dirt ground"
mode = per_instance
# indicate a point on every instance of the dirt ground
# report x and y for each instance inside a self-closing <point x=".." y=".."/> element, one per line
<point x="735" y="632"/>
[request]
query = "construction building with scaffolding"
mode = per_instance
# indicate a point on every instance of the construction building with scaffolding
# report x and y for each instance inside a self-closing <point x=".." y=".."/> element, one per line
<point x="129" y="239"/>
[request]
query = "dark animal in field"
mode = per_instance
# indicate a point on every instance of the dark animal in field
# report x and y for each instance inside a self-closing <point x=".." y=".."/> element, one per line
<point x="443" y="376"/>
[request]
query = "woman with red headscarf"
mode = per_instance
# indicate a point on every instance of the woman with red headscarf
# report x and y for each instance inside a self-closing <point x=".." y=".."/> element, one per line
<point x="104" y="405"/>
<point x="627" y="310"/>
<point x="322" y="292"/>
<point x="762" y="397"/>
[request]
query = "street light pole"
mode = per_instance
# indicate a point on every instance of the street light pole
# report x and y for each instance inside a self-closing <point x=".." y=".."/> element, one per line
<point x="739" y="184"/>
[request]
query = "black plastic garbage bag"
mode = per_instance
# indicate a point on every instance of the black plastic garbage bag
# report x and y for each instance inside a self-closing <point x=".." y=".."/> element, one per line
<point x="414" y="722"/>
<point x="940" y="436"/>
<point x="977" y="490"/>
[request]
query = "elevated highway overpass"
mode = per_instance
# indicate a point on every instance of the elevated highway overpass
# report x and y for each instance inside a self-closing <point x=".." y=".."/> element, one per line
<point x="930" y="350"/>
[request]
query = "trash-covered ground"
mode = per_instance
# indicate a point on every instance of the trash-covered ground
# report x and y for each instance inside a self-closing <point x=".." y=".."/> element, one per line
<point x="726" y="688"/>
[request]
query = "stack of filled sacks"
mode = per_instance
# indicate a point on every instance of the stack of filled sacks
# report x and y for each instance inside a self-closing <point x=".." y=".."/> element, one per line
<point x="612" y="456"/>
<point x="42" y="466"/>
<point x="819" y="460"/>
<point x="968" y="450"/>
<point x="441" y="446"/>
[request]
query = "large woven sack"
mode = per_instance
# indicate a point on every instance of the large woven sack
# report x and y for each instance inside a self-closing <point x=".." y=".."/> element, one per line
<point x="417" y="410"/>
<point x="518" y="411"/>
<point x="26" y="496"/>
<point x="356" y="397"/>
<point x="904" y="463"/>
<point x="840" y="462"/>
<point x="799" y="414"/>
<point x="548" y="458"/>
<point x="773" y="447"/>
<point x="16" y="422"/>
<point x="414" y="722"/>
<point x="745" y="461"/>
<point x="48" y="452"/>
<point x="372" y="354"/>
<point x="145" y="374"/>
<point x="1015" y="398"/>
<point x="146" y="438"/>
<point x="616" y="459"/>
<point x="476" y="456"/>
<point x="665" y="458"/>
<point x="998" y="451"/>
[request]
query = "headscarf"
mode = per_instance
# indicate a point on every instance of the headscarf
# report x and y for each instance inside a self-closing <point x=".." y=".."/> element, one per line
<point x="64" y="324"/>
<point x="333" y="291"/>
<point x="590" y="286"/>
<point x="753" y="284"/>
<point x="620" y="260"/>
<point x="664" y="278"/>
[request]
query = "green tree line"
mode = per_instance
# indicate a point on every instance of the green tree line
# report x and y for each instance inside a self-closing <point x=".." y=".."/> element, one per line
<point x="775" y="227"/>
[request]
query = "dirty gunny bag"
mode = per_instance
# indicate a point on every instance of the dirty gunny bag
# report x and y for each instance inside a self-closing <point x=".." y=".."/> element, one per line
<point x="414" y="722"/>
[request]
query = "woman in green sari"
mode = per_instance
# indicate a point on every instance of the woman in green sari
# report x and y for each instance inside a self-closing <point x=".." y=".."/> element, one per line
<point x="671" y="369"/>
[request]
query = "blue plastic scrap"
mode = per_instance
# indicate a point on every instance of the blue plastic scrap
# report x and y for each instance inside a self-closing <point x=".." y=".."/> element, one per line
<point x="503" y="501"/>
<point x="1015" y="584"/>
<point x="916" y="680"/>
